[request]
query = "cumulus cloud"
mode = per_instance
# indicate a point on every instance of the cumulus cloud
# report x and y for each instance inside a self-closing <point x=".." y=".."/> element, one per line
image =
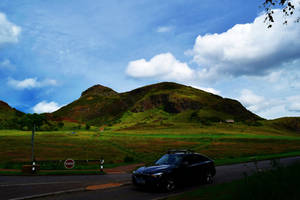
<point x="211" y="90"/>
<point x="247" y="49"/>
<point x="30" y="83"/>
<point x="164" y="29"/>
<point x="45" y="107"/>
<point x="9" y="32"/>
<point x="162" y="66"/>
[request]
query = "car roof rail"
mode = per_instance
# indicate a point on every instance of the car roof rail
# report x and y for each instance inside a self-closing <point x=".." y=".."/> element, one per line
<point x="185" y="151"/>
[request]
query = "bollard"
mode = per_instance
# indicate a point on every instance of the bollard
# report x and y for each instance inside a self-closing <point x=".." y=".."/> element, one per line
<point x="101" y="164"/>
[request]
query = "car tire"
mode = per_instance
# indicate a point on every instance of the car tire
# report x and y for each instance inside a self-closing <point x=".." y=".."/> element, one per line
<point x="170" y="185"/>
<point x="209" y="178"/>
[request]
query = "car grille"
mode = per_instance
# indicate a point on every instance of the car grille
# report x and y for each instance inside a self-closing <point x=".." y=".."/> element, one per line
<point x="144" y="179"/>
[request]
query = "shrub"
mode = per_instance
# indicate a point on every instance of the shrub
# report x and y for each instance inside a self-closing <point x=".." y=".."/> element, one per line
<point x="128" y="159"/>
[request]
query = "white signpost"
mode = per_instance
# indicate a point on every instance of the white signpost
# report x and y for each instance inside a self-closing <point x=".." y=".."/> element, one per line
<point x="101" y="164"/>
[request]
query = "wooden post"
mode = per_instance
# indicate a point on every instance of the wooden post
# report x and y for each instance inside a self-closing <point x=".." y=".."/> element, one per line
<point x="32" y="143"/>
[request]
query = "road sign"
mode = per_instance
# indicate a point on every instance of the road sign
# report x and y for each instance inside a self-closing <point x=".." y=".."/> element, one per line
<point x="69" y="163"/>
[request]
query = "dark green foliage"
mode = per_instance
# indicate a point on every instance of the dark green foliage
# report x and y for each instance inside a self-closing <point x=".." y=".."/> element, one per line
<point x="87" y="127"/>
<point x="128" y="159"/>
<point x="12" y="119"/>
<point x="253" y="123"/>
<point x="205" y="120"/>
<point x="60" y="124"/>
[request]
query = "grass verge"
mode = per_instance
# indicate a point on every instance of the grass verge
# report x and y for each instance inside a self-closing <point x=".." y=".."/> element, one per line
<point x="278" y="184"/>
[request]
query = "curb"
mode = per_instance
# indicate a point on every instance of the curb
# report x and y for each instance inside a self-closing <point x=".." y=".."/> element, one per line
<point x="49" y="194"/>
<point x="70" y="191"/>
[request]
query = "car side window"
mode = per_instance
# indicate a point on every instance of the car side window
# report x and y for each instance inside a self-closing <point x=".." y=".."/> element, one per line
<point x="200" y="158"/>
<point x="191" y="159"/>
<point x="188" y="160"/>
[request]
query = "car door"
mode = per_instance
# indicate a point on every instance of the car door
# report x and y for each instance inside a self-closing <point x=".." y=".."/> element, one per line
<point x="196" y="168"/>
<point x="201" y="165"/>
<point x="190" y="168"/>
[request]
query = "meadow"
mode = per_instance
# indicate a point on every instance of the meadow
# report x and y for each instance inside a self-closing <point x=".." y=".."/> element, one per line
<point x="225" y="143"/>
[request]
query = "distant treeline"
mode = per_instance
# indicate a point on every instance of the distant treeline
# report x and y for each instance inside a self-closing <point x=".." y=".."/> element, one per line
<point x="27" y="121"/>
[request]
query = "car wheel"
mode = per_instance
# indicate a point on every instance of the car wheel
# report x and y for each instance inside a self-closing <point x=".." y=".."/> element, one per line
<point x="170" y="185"/>
<point x="209" y="178"/>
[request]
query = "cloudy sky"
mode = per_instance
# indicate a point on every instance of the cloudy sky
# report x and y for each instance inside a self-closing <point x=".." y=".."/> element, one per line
<point x="50" y="51"/>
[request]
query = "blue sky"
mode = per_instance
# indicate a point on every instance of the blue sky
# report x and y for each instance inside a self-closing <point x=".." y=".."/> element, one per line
<point x="51" y="51"/>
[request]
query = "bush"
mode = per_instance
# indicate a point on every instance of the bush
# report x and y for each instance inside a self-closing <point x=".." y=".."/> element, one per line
<point x="128" y="159"/>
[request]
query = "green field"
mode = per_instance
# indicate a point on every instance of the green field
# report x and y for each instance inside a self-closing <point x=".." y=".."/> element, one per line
<point x="225" y="143"/>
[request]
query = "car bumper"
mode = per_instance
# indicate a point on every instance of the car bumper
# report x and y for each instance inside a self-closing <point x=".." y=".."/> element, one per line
<point x="141" y="180"/>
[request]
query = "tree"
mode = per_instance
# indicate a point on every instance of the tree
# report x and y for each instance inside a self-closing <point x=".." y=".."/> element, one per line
<point x="87" y="126"/>
<point x="287" y="7"/>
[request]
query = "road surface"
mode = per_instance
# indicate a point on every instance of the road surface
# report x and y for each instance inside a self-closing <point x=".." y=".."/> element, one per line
<point x="116" y="186"/>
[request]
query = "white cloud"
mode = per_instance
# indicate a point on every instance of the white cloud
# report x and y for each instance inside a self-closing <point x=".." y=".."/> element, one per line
<point x="270" y="108"/>
<point x="252" y="101"/>
<point x="285" y="79"/>
<point x="31" y="83"/>
<point x="9" y="32"/>
<point x="45" y="107"/>
<point x="6" y="65"/>
<point x="293" y="104"/>
<point x="164" y="29"/>
<point x="247" y="49"/>
<point x="211" y="90"/>
<point x="163" y="66"/>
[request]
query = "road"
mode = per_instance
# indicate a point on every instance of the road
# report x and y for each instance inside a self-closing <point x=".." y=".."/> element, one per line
<point x="23" y="187"/>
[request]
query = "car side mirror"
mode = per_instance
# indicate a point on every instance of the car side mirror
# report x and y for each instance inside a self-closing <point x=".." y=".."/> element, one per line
<point x="185" y="164"/>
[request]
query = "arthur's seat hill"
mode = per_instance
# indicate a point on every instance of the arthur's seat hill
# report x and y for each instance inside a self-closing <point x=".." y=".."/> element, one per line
<point x="163" y="102"/>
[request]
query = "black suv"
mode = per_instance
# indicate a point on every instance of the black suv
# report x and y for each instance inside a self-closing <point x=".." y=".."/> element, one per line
<point x="177" y="167"/>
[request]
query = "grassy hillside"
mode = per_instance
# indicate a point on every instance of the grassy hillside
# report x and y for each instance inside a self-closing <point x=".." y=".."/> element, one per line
<point x="285" y="123"/>
<point x="10" y="118"/>
<point x="163" y="102"/>
<point x="8" y="115"/>
<point x="225" y="143"/>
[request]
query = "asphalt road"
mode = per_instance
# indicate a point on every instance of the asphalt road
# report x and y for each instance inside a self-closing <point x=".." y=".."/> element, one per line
<point x="20" y="187"/>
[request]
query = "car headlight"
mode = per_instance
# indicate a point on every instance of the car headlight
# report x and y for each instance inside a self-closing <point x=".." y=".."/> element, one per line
<point x="157" y="175"/>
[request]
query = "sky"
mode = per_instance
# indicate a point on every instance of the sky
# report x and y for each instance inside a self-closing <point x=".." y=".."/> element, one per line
<point x="52" y="50"/>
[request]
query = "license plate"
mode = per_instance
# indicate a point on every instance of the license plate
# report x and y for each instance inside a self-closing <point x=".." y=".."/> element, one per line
<point x="140" y="180"/>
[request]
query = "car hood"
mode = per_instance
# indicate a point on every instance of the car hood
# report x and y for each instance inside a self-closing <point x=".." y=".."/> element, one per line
<point x="154" y="169"/>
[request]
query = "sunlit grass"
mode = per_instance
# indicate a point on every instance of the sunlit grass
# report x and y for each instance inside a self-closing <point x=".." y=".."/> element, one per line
<point x="225" y="143"/>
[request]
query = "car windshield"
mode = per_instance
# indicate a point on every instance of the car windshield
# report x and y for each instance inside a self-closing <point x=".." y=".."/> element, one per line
<point x="169" y="159"/>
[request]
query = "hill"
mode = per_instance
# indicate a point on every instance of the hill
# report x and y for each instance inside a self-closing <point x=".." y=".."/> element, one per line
<point x="163" y="102"/>
<point x="286" y="123"/>
<point x="8" y="115"/>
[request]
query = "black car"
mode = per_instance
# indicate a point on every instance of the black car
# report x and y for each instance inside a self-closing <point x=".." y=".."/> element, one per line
<point x="175" y="168"/>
